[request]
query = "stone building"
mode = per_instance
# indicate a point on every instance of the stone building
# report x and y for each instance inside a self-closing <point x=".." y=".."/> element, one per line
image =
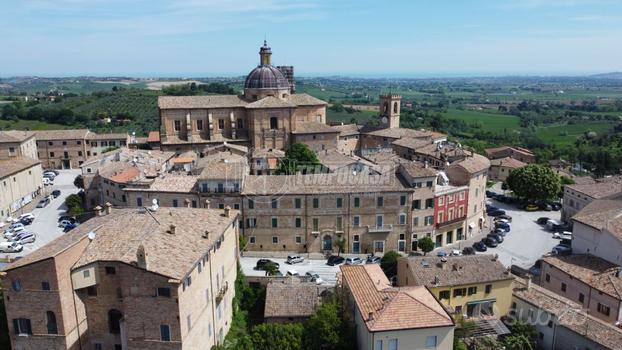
<point x="128" y="279"/>
<point x="291" y="299"/>
<point x="501" y="168"/>
<point x="15" y="143"/>
<point x="521" y="154"/>
<point x="578" y="196"/>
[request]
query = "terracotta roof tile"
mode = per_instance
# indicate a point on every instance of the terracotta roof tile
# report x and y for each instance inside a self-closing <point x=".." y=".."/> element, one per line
<point x="15" y="165"/>
<point x="109" y="136"/>
<point x="416" y="170"/>
<point x="291" y="297"/>
<point x="314" y="128"/>
<point x="597" y="190"/>
<point x="11" y="136"/>
<point x="473" y="164"/>
<point x="603" y="214"/>
<point x="209" y="101"/>
<point x="69" y="134"/>
<point x="154" y="136"/>
<point x="271" y="102"/>
<point x="305" y="100"/>
<point x="508" y="162"/>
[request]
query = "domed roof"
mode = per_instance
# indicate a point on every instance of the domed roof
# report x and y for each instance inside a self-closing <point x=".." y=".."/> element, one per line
<point x="266" y="77"/>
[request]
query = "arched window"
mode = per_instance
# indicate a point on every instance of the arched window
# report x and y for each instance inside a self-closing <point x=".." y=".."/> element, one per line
<point x="394" y="107"/>
<point x="52" y="327"/>
<point x="114" y="321"/>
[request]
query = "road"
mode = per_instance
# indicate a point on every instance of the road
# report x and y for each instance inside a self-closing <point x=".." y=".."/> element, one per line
<point x="327" y="273"/>
<point x="45" y="225"/>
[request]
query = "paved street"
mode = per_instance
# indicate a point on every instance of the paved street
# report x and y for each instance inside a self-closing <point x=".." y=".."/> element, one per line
<point x="327" y="273"/>
<point x="45" y="225"/>
<point x="525" y="243"/>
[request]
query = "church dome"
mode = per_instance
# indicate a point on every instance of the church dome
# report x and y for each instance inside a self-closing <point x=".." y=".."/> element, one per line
<point x="266" y="77"/>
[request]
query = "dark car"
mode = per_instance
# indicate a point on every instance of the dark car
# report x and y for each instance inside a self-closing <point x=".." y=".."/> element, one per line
<point x="372" y="259"/>
<point x="542" y="220"/>
<point x="27" y="221"/>
<point x="69" y="218"/>
<point x="504" y="216"/>
<point x="490" y="207"/>
<point x="501" y="198"/>
<point x="262" y="263"/>
<point x="56" y="193"/>
<point x="556" y="206"/>
<point x="479" y="246"/>
<point x="69" y="227"/>
<point x="503" y="226"/>
<point x="489" y="242"/>
<point x="497" y="212"/>
<point x="335" y="260"/>
<point x="489" y="194"/>
<point x="56" y="172"/>
<point x="496" y="237"/>
<point x="468" y="251"/>
<point x="499" y="231"/>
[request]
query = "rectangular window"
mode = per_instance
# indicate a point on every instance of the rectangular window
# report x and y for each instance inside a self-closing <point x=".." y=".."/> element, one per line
<point x="221" y="124"/>
<point x="51" y="154"/>
<point x="581" y="298"/>
<point x="298" y="222"/>
<point x="429" y="220"/>
<point x="603" y="309"/>
<point x="402" y="200"/>
<point x="429" y="203"/>
<point x="251" y="222"/>
<point x="110" y="270"/>
<point x="251" y="204"/>
<point x="297" y="203"/>
<point x="316" y="224"/>
<point x="298" y="239"/>
<point x="430" y="341"/>
<point x="488" y="289"/>
<point x="379" y="221"/>
<point x="199" y="125"/>
<point x="339" y="203"/>
<point x="275" y="203"/>
<point x="357" y="202"/>
<point x="417" y="204"/>
<point x="547" y="277"/>
<point x="252" y="240"/>
<point x="163" y="292"/>
<point x="443" y="295"/>
<point x="22" y="326"/>
<point x="402" y="219"/>
<point x="175" y="203"/>
<point x="563" y="287"/>
<point x="472" y="290"/>
<point x="378" y="345"/>
<point x="415" y="221"/>
<point x="356" y="221"/>
<point x="339" y="223"/>
<point x="275" y="222"/>
<point x="380" y="201"/>
<point x="139" y="202"/>
<point x="392" y="344"/>
<point x="460" y="292"/>
<point x="177" y="125"/>
<point x="275" y="240"/>
<point x="316" y="202"/>
<point x="165" y="332"/>
<point x="45" y="285"/>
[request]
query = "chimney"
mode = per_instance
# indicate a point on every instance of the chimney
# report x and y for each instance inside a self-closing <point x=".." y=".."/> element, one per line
<point x="172" y="229"/>
<point x="370" y="316"/>
<point x="141" y="257"/>
<point x="529" y="282"/>
<point x="108" y="208"/>
<point x="187" y="202"/>
<point x="98" y="210"/>
<point x="227" y="211"/>
<point x="207" y="204"/>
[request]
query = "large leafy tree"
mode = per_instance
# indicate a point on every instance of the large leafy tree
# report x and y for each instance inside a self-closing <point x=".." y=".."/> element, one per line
<point x="298" y="157"/>
<point x="324" y="328"/>
<point x="269" y="336"/>
<point x="426" y="244"/>
<point x="534" y="183"/>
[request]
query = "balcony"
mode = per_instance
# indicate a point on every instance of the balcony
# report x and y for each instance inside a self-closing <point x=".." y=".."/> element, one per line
<point x="379" y="229"/>
<point x="273" y="133"/>
<point x="221" y="293"/>
<point x="449" y="222"/>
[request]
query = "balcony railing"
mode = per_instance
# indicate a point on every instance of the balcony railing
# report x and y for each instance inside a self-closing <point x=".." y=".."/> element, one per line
<point x="376" y="228"/>
<point x="449" y="222"/>
<point x="221" y="293"/>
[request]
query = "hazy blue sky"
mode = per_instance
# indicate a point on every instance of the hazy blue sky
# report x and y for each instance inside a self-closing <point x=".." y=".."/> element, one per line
<point x="222" y="37"/>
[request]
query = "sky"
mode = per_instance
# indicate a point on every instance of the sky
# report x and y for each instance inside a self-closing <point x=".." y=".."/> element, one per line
<point x="200" y="38"/>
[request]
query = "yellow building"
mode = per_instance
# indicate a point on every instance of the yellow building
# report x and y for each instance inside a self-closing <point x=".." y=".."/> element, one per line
<point x="474" y="286"/>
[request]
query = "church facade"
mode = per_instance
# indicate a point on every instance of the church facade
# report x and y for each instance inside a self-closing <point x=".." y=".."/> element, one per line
<point x="268" y="115"/>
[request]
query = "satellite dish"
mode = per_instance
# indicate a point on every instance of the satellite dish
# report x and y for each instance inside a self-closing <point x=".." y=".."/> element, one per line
<point x="91" y="235"/>
<point x="154" y="204"/>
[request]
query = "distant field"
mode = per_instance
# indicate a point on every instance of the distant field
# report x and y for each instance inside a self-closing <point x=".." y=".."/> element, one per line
<point x="361" y="116"/>
<point x="567" y="134"/>
<point x="489" y="121"/>
<point x="29" y="125"/>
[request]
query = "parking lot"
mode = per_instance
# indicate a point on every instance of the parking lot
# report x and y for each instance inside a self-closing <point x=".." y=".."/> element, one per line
<point x="526" y="242"/>
<point x="327" y="273"/>
<point x="45" y="226"/>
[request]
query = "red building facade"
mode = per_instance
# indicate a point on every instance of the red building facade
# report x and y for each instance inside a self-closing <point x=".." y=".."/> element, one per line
<point x="450" y="212"/>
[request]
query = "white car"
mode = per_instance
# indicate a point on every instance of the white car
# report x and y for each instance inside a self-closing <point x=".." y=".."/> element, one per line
<point x="27" y="237"/>
<point x="315" y="277"/>
<point x="16" y="225"/>
<point x="9" y="234"/>
<point x="47" y="182"/>
<point x="294" y="259"/>
<point x="49" y="174"/>
<point x="456" y="252"/>
<point x="292" y="273"/>
<point x="26" y="216"/>
<point x="10" y="247"/>
<point x="563" y="235"/>
<point x="503" y="220"/>
<point x="64" y="223"/>
<point x="354" y="261"/>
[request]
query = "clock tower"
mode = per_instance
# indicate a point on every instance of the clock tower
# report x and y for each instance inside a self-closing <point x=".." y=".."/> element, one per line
<point x="390" y="110"/>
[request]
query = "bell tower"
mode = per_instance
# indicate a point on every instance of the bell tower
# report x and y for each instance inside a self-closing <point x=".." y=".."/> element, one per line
<point x="265" y="54"/>
<point x="390" y="110"/>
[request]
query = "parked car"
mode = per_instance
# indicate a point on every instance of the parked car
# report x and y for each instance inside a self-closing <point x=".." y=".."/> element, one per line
<point x="335" y="260"/>
<point x="503" y="226"/>
<point x="292" y="273"/>
<point x="489" y="242"/>
<point x="24" y="237"/>
<point x="504" y="217"/>
<point x="49" y="175"/>
<point x="354" y="261"/>
<point x="561" y="250"/>
<point x="56" y="193"/>
<point x="16" y="225"/>
<point x="294" y="259"/>
<point x="69" y="227"/>
<point x="456" y="252"/>
<point x="496" y="237"/>
<point x="9" y="234"/>
<point x="556" y="206"/>
<point x="56" y="172"/>
<point x="551" y="224"/>
<point x="47" y="181"/>
<point x="372" y="259"/>
<point x="480" y="246"/>
<point x="262" y="263"/>
<point x="441" y="254"/>
<point x="64" y="223"/>
<point x="531" y="207"/>
<point x="10" y="247"/>
<point x="542" y="220"/>
<point x="315" y="277"/>
<point x="497" y="220"/>
<point x="26" y="221"/>
<point x="563" y="235"/>
<point x="66" y="217"/>
<point x="490" y="207"/>
<point x="499" y="231"/>
<point x="468" y="251"/>
<point x="489" y="194"/>
<point x="43" y="203"/>
<point x="497" y="212"/>
<point x="26" y="216"/>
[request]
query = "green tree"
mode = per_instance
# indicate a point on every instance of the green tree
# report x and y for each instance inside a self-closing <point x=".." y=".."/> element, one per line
<point x="269" y="336"/>
<point x="324" y="328"/>
<point x="459" y="345"/>
<point x="534" y="183"/>
<point x="271" y="269"/>
<point x="388" y="263"/>
<point x="426" y="245"/>
<point x="298" y="157"/>
<point x="523" y="337"/>
<point x="341" y="245"/>
<point x="74" y="205"/>
<point x="79" y="182"/>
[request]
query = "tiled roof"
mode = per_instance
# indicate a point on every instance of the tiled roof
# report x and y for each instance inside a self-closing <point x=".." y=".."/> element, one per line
<point x="154" y="136"/>
<point x="305" y="100"/>
<point x="384" y="308"/>
<point x="271" y="102"/>
<point x="493" y="152"/>
<point x="291" y="297"/>
<point x="124" y="175"/>
<point x="416" y="169"/>
<point x="149" y="163"/>
<point x="431" y="271"/>
<point x="11" y="136"/>
<point x="16" y="164"/>
<point x="569" y="315"/>
<point x="171" y="183"/>
<point x="333" y="159"/>
<point x="397" y="133"/>
<point x="119" y="235"/>
<point x="508" y="162"/>
<point x="473" y="164"/>
<point x="267" y="152"/>
<point x="603" y="214"/>
<point x="322" y="183"/>
<point x="592" y="270"/>
<point x="69" y="134"/>
<point x="348" y="129"/>
<point x="226" y="145"/>
<point x="210" y="101"/>
<point x="117" y="136"/>
<point x="597" y="190"/>
<point x="223" y="170"/>
<point x="411" y="143"/>
<point x="313" y="128"/>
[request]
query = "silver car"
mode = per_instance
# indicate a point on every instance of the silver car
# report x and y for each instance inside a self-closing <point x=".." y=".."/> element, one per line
<point x="354" y="261"/>
<point x="294" y="259"/>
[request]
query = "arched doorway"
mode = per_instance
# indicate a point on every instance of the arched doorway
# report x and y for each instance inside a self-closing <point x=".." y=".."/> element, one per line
<point x="114" y="321"/>
<point x="327" y="243"/>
